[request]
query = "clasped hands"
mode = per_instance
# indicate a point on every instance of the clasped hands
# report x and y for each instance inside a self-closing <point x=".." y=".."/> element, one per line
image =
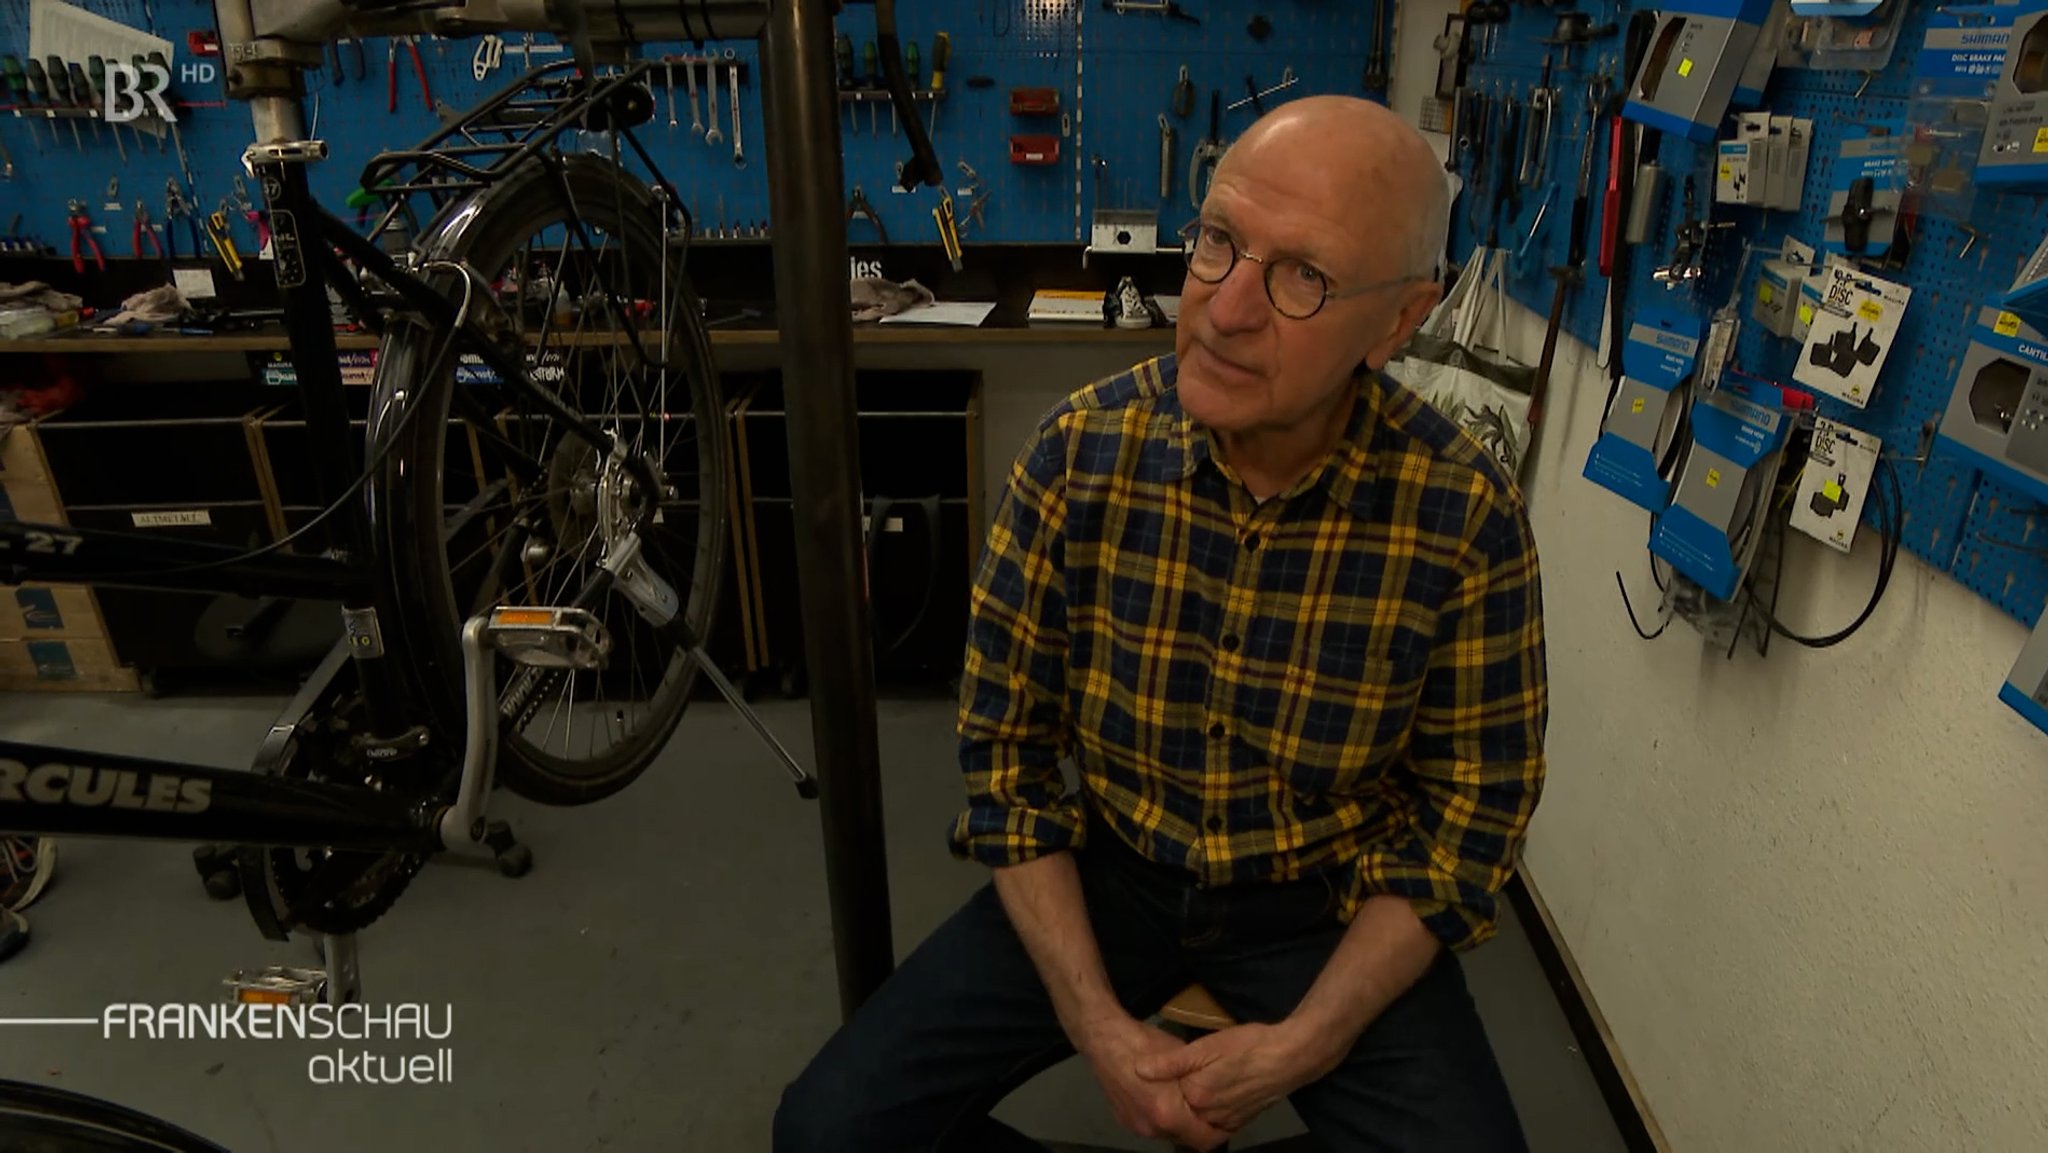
<point x="1198" y="1093"/>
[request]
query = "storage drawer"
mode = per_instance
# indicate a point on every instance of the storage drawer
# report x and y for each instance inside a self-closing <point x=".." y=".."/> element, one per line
<point x="75" y="664"/>
<point x="125" y="445"/>
<point x="39" y="612"/>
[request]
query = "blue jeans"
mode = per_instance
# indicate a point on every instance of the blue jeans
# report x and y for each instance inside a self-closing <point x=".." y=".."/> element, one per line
<point x="966" y="1019"/>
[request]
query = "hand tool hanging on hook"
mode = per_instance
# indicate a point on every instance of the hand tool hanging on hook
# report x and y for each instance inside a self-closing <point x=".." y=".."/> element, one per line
<point x="1573" y="270"/>
<point x="1166" y="8"/>
<point x="1207" y="151"/>
<point x="1287" y="80"/>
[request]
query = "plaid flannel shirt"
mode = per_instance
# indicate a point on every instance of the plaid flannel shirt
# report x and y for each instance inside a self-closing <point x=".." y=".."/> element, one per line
<point x="1349" y="675"/>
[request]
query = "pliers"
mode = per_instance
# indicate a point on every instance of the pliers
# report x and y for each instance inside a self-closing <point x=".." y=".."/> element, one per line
<point x="145" y="231"/>
<point x="176" y="206"/>
<point x="391" y="74"/>
<point x="81" y="238"/>
<point x="334" y="61"/>
<point x="258" y="220"/>
<point x="859" y="207"/>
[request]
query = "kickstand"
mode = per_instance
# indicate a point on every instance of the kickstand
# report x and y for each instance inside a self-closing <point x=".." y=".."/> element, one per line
<point x="806" y="784"/>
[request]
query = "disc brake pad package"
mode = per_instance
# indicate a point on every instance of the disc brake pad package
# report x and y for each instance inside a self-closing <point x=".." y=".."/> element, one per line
<point x="1852" y="333"/>
<point x="1663" y="348"/>
<point x="1710" y="532"/>
<point x="1834" y="484"/>
<point x="1954" y="78"/>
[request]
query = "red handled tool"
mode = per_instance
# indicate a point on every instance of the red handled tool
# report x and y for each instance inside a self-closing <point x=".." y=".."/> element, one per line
<point x="82" y="239"/>
<point x="391" y="73"/>
<point x="143" y="231"/>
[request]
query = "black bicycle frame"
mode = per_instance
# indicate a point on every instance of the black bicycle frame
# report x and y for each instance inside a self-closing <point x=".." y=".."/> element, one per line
<point x="59" y="792"/>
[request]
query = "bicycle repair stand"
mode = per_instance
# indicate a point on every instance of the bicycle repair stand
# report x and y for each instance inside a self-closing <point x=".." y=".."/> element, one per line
<point x="547" y="638"/>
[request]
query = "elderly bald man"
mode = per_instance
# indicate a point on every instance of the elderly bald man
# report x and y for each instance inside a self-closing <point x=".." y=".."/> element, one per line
<point x="1284" y="619"/>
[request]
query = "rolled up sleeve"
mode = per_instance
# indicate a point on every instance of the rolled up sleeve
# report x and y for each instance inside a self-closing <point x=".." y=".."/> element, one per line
<point x="1013" y="687"/>
<point x="1476" y="749"/>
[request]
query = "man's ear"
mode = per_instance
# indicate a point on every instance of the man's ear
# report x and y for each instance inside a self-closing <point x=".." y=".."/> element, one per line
<point x="1415" y="308"/>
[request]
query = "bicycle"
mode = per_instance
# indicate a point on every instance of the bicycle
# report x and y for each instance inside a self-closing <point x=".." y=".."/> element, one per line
<point x="509" y="502"/>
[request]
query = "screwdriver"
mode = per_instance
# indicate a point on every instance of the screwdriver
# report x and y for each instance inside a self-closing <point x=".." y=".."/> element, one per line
<point x="59" y="93"/>
<point x="874" y="80"/>
<point x="81" y="95"/>
<point x="96" y="71"/>
<point x="177" y="138"/>
<point x="942" y="46"/>
<point x="139" y="63"/>
<point x="17" y="86"/>
<point x="910" y="65"/>
<point x="842" y="50"/>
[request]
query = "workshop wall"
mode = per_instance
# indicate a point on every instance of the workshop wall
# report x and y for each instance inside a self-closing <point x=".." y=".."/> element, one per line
<point x="1115" y="75"/>
<point x="1979" y="527"/>
<point x="1807" y="893"/>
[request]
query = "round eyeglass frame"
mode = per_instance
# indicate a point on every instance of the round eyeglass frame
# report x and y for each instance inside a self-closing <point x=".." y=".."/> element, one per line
<point x="1192" y="230"/>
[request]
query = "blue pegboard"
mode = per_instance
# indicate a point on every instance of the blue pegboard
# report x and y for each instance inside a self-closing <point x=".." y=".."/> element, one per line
<point x="1955" y="516"/>
<point x="1115" y="74"/>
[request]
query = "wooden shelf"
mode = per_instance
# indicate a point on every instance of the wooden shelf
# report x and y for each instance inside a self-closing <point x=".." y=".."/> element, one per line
<point x="862" y="335"/>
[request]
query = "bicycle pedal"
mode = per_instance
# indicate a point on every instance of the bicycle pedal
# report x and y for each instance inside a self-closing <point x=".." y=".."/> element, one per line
<point x="278" y="985"/>
<point x="549" y="638"/>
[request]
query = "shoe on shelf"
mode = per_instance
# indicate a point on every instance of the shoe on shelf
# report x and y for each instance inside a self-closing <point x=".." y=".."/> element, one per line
<point x="26" y="866"/>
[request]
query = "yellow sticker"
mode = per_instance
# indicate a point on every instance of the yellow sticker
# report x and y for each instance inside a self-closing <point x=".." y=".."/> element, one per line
<point x="2041" y="139"/>
<point x="1806" y="314"/>
<point x="1727" y="170"/>
<point x="1870" y="310"/>
<point x="1764" y="293"/>
<point x="1832" y="491"/>
<point x="1713" y="478"/>
<point x="2006" y="325"/>
<point x="1636" y="405"/>
<point x="1685" y="69"/>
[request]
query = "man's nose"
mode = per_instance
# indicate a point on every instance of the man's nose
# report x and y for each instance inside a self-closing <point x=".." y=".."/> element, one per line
<point x="1240" y="304"/>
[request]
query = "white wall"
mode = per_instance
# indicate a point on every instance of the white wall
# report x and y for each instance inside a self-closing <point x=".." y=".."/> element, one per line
<point x="1809" y="892"/>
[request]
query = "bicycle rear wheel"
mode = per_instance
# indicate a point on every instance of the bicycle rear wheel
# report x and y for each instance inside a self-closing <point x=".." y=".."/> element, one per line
<point x="489" y="500"/>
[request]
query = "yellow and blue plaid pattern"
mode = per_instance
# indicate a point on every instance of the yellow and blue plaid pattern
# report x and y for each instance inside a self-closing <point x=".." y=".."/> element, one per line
<point x="1350" y="675"/>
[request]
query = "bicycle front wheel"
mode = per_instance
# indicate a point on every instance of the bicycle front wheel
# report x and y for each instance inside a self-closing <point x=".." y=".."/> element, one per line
<point x="489" y="499"/>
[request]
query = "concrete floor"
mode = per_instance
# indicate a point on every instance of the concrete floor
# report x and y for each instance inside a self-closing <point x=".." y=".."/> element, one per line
<point x="652" y="984"/>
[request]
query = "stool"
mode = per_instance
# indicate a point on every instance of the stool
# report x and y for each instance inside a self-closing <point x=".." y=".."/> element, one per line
<point x="1191" y="1013"/>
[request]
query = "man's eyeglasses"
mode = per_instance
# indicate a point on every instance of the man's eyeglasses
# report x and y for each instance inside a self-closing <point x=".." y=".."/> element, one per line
<point x="1296" y="288"/>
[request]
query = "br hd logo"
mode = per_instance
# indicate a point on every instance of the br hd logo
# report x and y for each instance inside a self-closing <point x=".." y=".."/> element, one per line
<point x="137" y="90"/>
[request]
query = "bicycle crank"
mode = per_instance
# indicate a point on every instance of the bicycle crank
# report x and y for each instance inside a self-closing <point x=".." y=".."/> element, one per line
<point x="325" y="891"/>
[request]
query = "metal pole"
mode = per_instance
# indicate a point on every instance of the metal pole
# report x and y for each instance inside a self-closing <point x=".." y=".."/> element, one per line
<point x="801" y="107"/>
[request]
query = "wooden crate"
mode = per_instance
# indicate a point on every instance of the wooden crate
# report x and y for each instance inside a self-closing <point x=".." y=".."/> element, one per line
<point x="21" y="458"/>
<point x="49" y="612"/>
<point x="74" y="665"/>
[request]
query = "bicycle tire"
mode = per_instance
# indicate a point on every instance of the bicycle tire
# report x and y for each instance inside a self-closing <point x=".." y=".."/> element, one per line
<point x="409" y="492"/>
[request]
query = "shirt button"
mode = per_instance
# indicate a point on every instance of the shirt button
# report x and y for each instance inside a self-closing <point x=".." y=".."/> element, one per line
<point x="1251" y="543"/>
<point x="1215" y="824"/>
<point x="1229" y="642"/>
<point x="1216" y="730"/>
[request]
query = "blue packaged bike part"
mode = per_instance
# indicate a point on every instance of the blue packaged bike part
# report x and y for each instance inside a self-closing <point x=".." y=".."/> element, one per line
<point x="1698" y="54"/>
<point x="2015" y="147"/>
<point x="1715" y="522"/>
<point x="1998" y="409"/>
<point x="1657" y="361"/>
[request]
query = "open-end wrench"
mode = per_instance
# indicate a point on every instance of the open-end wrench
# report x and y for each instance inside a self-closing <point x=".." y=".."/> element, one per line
<point x="669" y="67"/>
<point x="712" y="135"/>
<point x="732" y="75"/>
<point x="1208" y="150"/>
<point x="1376" y="56"/>
<point x="1165" y="158"/>
<point x="696" y="119"/>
